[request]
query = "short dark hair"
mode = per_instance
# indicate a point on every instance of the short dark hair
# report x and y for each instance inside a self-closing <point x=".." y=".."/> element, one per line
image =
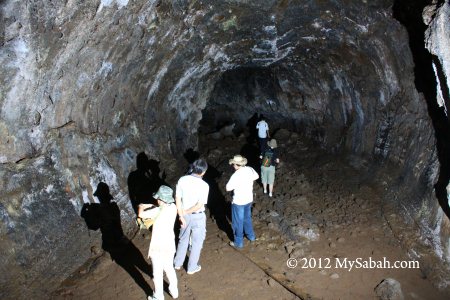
<point x="199" y="166"/>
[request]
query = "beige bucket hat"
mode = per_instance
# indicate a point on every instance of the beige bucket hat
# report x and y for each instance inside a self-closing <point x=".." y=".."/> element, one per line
<point x="238" y="160"/>
<point x="272" y="143"/>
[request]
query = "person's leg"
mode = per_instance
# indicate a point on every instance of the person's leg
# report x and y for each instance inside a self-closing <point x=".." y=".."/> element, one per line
<point x="271" y="179"/>
<point x="158" y="266"/>
<point x="248" y="226"/>
<point x="198" y="236"/>
<point x="183" y="243"/>
<point x="264" y="178"/>
<point x="262" y="145"/>
<point x="171" y="275"/>
<point x="237" y="216"/>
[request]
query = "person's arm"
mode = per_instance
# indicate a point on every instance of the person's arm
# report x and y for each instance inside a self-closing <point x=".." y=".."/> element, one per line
<point x="230" y="186"/>
<point x="194" y="208"/>
<point x="255" y="174"/>
<point x="142" y="207"/>
<point x="180" y="210"/>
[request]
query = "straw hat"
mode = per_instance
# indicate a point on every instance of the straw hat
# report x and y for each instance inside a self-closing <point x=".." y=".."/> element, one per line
<point x="238" y="160"/>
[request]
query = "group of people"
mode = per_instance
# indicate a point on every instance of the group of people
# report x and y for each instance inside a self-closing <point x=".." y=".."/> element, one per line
<point x="191" y="196"/>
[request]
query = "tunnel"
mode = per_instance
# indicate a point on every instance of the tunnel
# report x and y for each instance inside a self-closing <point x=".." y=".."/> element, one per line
<point x="128" y="93"/>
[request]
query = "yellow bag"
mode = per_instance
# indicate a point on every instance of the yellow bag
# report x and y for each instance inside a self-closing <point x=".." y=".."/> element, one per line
<point x="146" y="223"/>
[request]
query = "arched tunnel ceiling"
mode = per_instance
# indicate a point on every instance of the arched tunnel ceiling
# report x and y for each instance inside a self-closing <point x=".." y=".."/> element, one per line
<point x="160" y="54"/>
<point x="87" y="85"/>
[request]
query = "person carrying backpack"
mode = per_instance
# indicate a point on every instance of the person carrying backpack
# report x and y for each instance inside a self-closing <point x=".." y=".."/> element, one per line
<point x="268" y="162"/>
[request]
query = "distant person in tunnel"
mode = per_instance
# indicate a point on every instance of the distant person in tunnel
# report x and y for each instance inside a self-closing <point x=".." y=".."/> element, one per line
<point x="191" y="197"/>
<point x="120" y="248"/>
<point x="162" y="244"/>
<point x="263" y="133"/>
<point x="268" y="162"/>
<point x="241" y="183"/>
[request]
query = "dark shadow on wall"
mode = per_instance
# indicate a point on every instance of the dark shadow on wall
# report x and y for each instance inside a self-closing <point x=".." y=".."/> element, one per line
<point x="106" y="217"/>
<point x="219" y="207"/>
<point x="144" y="181"/>
<point x="253" y="132"/>
<point x="409" y="13"/>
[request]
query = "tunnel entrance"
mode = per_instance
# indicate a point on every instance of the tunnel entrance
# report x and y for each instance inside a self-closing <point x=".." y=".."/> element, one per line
<point x="238" y="95"/>
<point x="328" y="201"/>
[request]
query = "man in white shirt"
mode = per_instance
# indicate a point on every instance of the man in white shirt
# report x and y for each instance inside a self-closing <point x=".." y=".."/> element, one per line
<point x="263" y="134"/>
<point x="191" y="197"/>
<point x="162" y="244"/>
<point x="241" y="182"/>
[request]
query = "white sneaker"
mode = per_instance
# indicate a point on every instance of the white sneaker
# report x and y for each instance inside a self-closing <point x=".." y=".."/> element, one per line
<point x="195" y="271"/>
<point x="173" y="293"/>
<point x="265" y="192"/>
<point x="270" y="194"/>
<point x="177" y="268"/>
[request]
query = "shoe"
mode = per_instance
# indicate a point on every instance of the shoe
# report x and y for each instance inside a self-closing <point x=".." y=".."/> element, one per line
<point x="195" y="271"/>
<point x="265" y="192"/>
<point x="232" y="244"/>
<point x="177" y="268"/>
<point x="270" y="194"/>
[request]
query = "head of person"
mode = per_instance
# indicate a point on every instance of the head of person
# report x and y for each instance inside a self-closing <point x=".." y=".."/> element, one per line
<point x="164" y="195"/>
<point x="238" y="161"/>
<point x="199" y="167"/>
<point x="102" y="193"/>
<point x="272" y="143"/>
<point x="261" y="117"/>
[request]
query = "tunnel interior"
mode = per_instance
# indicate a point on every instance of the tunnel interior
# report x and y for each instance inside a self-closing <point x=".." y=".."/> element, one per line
<point x="349" y="90"/>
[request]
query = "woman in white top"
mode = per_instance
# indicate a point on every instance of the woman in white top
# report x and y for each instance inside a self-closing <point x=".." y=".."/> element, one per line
<point x="162" y="244"/>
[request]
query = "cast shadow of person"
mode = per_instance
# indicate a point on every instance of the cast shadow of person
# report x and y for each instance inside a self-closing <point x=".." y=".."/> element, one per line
<point x="144" y="181"/>
<point x="106" y="217"/>
<point x="253" y="132"/>
<point x="219" y="207"/>
<point x="251" y="153"/>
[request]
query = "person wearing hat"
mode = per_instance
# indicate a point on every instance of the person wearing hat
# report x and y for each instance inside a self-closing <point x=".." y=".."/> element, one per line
<point x="268" y="161"/>
<point x="162" y="244"/>
<point x="191" y="197"/>
<point x="107" y="214"/>
<point x="241" y="183"/>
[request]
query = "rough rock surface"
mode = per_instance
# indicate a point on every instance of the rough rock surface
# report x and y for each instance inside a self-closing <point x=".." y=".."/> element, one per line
<point x="87" y="85"/>
<point x="389" y="289"/>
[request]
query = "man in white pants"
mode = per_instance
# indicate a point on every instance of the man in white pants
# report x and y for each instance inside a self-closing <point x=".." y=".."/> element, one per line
<point x="191" y="197"/>
<point x="162" y="244"/>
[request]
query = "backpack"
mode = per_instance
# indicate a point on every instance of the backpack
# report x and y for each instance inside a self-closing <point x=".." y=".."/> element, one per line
<point x="267" y="159"/>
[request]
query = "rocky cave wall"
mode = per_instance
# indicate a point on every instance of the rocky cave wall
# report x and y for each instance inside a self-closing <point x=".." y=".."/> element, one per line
<point x="87" y="85"/>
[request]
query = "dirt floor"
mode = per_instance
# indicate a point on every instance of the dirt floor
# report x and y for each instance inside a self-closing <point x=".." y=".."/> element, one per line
<point x="323" y="214"/>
